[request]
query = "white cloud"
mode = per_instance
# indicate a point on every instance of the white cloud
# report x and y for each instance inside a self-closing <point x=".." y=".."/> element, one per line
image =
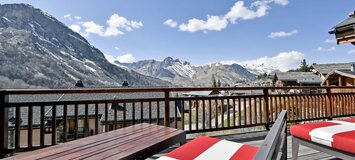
<point x="77" y="17"/>
<point x="282" y="2"/>
<point x="284" y="61"/>
<point x="67" y="16"/>
<point x="117" y="48"/>
<point x="75" y="28"/>
<point x="351" y="51"/>
<point x="237" y="12"/>
<point x="215" y="23"/>
<point x="330" y="41"/>
<point x="126" y="58"/>
<point x="171" y="23"/>
<point x="116" y="25"/>
<point x="282" y="34"/>
<point x="326" y="49"/>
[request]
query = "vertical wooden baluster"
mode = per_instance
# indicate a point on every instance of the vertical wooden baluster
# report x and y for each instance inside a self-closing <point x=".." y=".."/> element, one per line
<point x="96" y="118"/>
<point x="255" y="110"/>
<point x="124" y="114"/>
<point x="222" y="112"/>
<point x="290" y="108"/>
<point x="234" y="123"/>
<point x="203" y="114"/>
<point x="239" y="112"/>
<point x="133" y="113"/>
<point x="167" y="108"/>
<point x="54" y="124"/>
<point x="150" y="112"/>
<point x="17" y="127"/>
<point x="106" y="117"/>
<point x="245" y="111"/>
<point x="260" y="111"/>
<point x="42" y="138"/>
<point x="76" y="121"/>
<point x="228" y="113"/>
<point x="30" y="121"/>
<point x="317" y="105"/>
<point x="250" y="111"/>
<point x="272" y="100"/>
<point x="190" y="112"/>
<point x="4" y="127"/>
<point x="210" y="114"/>
<point x="142" y="112"/>
<point x="315" y="109"/>
<point x="116" y="104"/>
<point x="158" y="112"/>
<point x="347" y="105"/>
<point x="65" y="120"/>
<point x="196" y="114"/>
<point x="175" y="114"/>
<point x="216" y="116"/>
<point x="323" y="109"/>
<point x="276" y="107"/>
<point x="311" y="107"/>
<point x="86" y="124"/>
<point x="303" y="110"/>
<point x="182" y="114"/>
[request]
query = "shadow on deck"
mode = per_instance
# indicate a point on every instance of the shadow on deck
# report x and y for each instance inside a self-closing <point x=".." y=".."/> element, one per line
<point x="256" y="139"/>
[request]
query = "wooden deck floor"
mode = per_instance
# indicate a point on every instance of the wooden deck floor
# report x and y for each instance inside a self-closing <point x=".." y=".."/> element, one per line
<point x="256" y="138"/>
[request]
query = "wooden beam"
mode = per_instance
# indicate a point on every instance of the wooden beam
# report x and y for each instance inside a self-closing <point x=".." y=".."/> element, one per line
<point x="3" y="125"/>
<point x="339" y="81"/>
<point x="327" y="82"/>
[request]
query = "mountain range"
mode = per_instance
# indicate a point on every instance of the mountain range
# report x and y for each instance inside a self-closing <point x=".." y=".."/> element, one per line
<point x="182" y="73"/>
<point x="37" y="50"/>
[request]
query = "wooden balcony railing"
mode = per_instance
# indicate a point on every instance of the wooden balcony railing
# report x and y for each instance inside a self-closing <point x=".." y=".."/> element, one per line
<point x="31" y="119"/>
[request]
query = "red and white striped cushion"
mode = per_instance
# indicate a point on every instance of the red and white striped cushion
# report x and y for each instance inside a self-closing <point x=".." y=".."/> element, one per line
<point x="338" y="134"/>
<point x="206" y="148"/>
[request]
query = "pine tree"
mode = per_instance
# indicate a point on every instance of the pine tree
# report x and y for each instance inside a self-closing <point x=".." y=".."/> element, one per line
<point x="274" y="79"/>
<point x="304" y="66"/>
<point x="214" y="82"/>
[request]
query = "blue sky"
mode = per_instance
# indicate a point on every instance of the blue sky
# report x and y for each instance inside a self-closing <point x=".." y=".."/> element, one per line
<point x="278" y="32"/>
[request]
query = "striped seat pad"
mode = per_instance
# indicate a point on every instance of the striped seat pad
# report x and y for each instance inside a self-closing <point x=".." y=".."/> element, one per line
<point x="339" y="134"/>
<point x="207" y="148"/>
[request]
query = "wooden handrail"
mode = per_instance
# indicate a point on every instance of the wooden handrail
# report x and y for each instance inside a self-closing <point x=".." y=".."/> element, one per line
<point x="203" y="114"/>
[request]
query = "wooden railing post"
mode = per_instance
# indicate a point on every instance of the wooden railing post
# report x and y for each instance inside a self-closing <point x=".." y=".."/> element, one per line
<point x="266" y="100"/>
<point x="330" y="104"/>
<point x="3" y="125"/>
<point x="166" y="108"/>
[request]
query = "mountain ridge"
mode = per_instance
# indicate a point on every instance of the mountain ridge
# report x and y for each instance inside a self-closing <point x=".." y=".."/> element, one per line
<point x="40" y="51"/>
<point x="182" y="73"/>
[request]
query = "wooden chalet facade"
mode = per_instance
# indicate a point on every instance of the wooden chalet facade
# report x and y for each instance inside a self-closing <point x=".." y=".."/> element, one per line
<point x="297" y="79"/>
<point x="341" y="78"/>
<point x="345" y="31"/>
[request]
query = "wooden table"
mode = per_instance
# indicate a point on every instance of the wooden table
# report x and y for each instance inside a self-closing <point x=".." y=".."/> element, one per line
<point x="135" y="142"/>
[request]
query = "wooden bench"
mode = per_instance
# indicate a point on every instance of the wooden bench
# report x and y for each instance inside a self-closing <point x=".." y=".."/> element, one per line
<point x="135" y="142"/>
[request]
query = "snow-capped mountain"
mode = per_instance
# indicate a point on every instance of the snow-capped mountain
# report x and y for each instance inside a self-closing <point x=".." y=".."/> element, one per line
<point x="260" y="68"/>
<point x="182" y="73"/>
<point x="37" y="50"/>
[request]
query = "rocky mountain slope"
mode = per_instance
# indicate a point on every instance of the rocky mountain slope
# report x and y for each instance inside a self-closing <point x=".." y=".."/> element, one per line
<point x="37" y="50"/>
<point x="182" y="73"/>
